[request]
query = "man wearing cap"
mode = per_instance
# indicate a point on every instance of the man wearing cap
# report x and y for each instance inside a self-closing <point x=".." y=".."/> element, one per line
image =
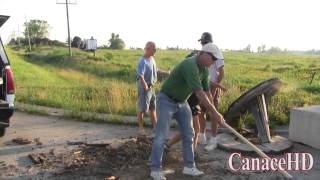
<point x="216" y="71"/>
<point x="191" y="75"/>
<point x="198" y="112"/>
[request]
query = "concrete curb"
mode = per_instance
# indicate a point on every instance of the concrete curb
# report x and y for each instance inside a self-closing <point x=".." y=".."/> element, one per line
<point x="104" y="117"/>
<point x="84" y="116"/>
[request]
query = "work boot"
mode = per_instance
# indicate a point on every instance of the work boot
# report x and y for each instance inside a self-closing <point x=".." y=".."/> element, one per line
<point x="213" y="143"/>
<point x="192" y="171"/>
<point x="157" y="175"/>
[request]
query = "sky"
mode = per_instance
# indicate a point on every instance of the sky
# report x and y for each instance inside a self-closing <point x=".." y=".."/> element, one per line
<point x="234" y="24"/>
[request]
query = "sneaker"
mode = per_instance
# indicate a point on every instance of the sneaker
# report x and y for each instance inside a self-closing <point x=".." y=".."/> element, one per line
<point x="213" y="143"/>
<point x="157" y="175"/>
<point x="202" y="138"/>
<point x="192" y="171"/>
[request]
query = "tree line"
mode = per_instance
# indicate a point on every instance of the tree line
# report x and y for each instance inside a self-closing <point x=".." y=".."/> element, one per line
<point x="37" y="31"/>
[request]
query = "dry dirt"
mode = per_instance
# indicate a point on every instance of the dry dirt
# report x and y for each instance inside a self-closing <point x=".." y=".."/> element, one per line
<point x="39" y="147"/>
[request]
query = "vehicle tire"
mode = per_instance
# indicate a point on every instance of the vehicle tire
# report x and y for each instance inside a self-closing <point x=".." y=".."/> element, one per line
<point x="2" y="132"/>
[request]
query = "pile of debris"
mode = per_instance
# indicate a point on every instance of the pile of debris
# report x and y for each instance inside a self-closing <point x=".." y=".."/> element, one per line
<point x="21" y="141"/>
<point x="115" y="155"/>
<point x="25" y="141"/>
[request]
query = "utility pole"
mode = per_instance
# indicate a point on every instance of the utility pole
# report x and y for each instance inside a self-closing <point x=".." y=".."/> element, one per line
<point x="27" y="26"/>
<point x="67" y="8"/>
<point x="18" y="38"/>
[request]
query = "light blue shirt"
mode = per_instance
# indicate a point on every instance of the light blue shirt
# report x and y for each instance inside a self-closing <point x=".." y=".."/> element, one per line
<point x="147" y="68"/>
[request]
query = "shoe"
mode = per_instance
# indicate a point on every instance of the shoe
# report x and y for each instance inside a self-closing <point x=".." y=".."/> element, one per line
<point x="157" y="175"/>
<point x="192" y="171"/>
<point x="202" y="138"/>
<point x="213" y="143"/>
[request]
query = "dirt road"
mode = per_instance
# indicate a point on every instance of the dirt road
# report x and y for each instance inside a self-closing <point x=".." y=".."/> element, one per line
<point x="51" y="135"/>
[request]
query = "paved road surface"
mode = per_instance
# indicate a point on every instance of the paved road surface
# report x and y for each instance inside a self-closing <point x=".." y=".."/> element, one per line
<point x="54" y="133"/>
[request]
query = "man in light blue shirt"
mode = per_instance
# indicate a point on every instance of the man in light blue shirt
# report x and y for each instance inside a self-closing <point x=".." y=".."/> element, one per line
<point x="147" y="77"/>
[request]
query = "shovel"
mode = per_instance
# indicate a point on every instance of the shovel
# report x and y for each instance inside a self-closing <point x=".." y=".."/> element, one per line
<point x="255" y="148"/>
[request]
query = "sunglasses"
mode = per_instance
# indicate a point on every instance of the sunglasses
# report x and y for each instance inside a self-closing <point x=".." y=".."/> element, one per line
<point x="212" y="56"/>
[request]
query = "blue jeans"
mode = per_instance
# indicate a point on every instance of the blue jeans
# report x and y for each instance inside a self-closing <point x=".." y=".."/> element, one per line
<point x="166" y="110"/>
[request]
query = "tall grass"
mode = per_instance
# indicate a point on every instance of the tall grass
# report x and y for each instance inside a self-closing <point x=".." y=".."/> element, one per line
<point x="107" y="82"/>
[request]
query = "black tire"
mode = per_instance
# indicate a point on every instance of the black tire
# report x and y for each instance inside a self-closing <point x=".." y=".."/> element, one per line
<point x="2" y="131"/>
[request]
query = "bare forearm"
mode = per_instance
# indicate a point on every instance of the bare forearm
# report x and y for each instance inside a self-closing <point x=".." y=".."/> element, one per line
<point x="209" y="96"/>
<point x="221" y="75"/>
<point x="205" y="101"/>
<point x="163" y="73"/>
<point x="203" y="98"/>
<point x="143" y="83"/>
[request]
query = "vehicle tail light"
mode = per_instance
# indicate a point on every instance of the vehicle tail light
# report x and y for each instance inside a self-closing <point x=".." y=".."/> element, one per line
<point x="10" y="82"/>
<point x="10" y="86"/>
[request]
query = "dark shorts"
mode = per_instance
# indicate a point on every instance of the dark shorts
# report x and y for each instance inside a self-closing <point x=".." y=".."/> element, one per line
<point x="194" y="105"/>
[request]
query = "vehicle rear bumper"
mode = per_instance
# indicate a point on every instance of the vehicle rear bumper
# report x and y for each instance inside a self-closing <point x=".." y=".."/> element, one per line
<point x="5" y="114"/>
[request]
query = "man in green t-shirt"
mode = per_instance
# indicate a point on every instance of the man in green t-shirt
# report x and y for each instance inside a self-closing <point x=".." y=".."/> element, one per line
<point x="191" y="75"/>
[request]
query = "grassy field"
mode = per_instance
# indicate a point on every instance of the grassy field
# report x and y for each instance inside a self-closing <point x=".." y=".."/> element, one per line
<point x="106" y="83"/>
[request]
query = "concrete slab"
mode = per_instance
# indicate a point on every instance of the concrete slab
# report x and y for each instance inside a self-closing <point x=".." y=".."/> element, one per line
<point x="305" y="125"/>
<point x="277" y="145"/>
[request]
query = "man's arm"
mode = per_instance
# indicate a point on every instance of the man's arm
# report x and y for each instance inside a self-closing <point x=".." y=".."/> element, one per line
<point x="163" y="73"/>
<point x="217" y="84"/>
<point x="209" y="95"/>
<point x="204" y="99"/>
<point x="143" y="82"/>
<point x="221" y="74"/>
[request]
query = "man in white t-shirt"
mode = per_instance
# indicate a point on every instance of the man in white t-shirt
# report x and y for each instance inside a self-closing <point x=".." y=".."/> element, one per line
<point x="216" y="75"/>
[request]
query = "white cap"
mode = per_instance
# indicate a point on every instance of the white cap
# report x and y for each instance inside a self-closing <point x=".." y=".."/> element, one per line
<point x="213" y="49"/>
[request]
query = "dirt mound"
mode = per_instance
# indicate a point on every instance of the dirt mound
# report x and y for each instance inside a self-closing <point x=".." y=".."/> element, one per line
<point x="116" y="155"/>
<point x="102" y="159"/>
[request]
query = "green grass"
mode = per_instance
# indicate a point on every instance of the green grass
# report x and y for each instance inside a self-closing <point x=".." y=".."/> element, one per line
<point x="107" y="82"/>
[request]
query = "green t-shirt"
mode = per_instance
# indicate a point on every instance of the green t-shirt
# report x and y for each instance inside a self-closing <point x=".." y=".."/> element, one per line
<point x="186" y="77"/>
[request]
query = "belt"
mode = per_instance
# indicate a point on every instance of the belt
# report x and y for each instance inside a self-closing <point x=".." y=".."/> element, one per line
<point x="172" y="98"/>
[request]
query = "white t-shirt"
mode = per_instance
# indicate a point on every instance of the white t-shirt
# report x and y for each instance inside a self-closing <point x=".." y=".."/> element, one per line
<point x="214" y="70"/>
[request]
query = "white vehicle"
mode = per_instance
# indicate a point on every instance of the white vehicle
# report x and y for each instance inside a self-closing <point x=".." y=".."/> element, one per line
<point x="90" y="44"/>
<point x="7" y="89"/>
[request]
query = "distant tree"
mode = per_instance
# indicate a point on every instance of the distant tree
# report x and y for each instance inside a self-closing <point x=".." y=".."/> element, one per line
<point x="116" y="42"/>
<point x="12" y="42"/>
<point x="82" y="44"/>
<point x="76" y="42"/>
<point x="263" y="48"/>
<point x="248" y="48"/>
<point x="57" y="43"/>
<point x="259" y="49"/>
<point x="42" y="41"/>
<point x="38" y="29"/>
<point x="274" y="50"/>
